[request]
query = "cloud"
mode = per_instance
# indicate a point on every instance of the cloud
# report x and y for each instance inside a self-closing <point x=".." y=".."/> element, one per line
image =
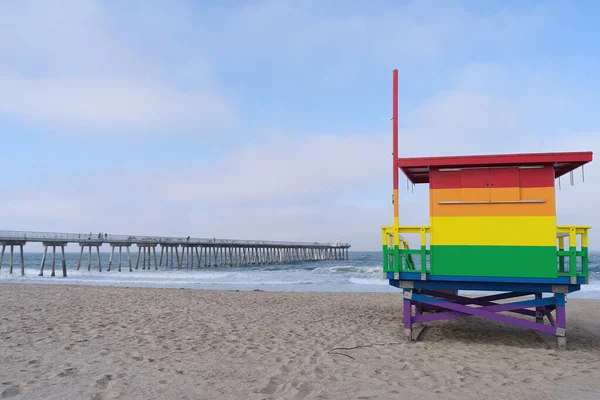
<point x="105" y="104"/>
<point x="66" y="63"/>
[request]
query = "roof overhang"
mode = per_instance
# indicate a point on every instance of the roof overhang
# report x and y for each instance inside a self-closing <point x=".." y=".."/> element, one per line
<point x="417" y="169"/>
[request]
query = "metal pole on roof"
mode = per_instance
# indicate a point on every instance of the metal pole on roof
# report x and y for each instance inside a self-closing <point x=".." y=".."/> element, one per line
<point x="395" y="150"/>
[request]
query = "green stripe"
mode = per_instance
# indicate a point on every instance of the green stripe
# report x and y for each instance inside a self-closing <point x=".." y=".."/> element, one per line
<point x="584" y="261"/>
<point x="497" y="261"/>
<point x="397" y="260"/>
<point x="573" y="261"/>
<point x="386" y="257"/>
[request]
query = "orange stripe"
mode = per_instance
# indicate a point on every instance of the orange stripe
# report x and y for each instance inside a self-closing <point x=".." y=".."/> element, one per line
<point x="490" y="208"/>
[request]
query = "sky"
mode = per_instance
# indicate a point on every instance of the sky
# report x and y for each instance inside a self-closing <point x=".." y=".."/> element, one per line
<point x="271" y="120"/>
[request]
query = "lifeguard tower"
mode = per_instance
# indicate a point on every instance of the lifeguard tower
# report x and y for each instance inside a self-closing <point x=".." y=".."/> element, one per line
<point x="493" y="229"/>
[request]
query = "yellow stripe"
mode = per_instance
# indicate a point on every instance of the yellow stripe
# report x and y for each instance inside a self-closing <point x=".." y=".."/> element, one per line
<point x="494" y="231"/>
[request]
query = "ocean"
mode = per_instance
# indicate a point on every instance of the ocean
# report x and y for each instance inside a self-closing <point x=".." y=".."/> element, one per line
<point x="361" y="273"/>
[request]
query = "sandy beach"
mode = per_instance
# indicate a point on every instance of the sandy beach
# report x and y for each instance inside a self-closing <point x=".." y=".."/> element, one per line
<point x="75" y="342"/>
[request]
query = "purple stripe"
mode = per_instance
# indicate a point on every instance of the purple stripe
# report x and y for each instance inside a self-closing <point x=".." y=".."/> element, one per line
<point x="418" y="309"/>
<point x="454" y="314"/>
<point x="549" y="315"/>
<point x="482" y="301"/>
<point x="431" y="307"/>
<point x="490" y="315"/>
<point x="407" y="316"/>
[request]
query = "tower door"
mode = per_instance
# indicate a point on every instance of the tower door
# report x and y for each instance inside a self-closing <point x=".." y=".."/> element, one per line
<point x="490" y="184"/>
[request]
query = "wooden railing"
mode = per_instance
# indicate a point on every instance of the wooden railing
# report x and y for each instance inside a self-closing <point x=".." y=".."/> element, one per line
<point x="397" y="256"/>
<point x="573" y="253"/>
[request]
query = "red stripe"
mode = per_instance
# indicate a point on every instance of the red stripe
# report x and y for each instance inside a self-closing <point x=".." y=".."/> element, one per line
<point x="537" y="177"/>
<point x="444" y="180"/>
<point x="492" y="177"/>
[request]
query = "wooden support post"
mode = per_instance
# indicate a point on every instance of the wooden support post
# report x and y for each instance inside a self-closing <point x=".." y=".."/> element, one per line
<point x="78" y="261"/>
<point x="99" y="260"/>
<point x="129" y="259"/>
<point x="137" y="261"/>
<point x="64" y="262"/>
<point x="149" y="258"/>
<point x="215" y="255"/>
<point x="22" y="261"/>
<point x="177" y="255"/>
<point x="171" y="251"/>
<point x="198" y="256"/>
<point x="155" y="263"/>
<point x="2" y="256"/>
<point x="12" y="253"/>
<point x="53" y="261"/>
<point x="539" y="314"/>
<point x="120" y="255"/>
<point x="162" y="250"/>
<point x="112" y="252"/>
<point x="90" y="257"/>
<point x="143" y="257"/>
<point x="43" y="260"/>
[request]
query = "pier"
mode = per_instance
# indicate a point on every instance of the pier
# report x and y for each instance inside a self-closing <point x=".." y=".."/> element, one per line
<point x="195" y="252"/>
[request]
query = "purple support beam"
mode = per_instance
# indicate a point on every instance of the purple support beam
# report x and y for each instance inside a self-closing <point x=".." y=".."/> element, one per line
<point x="486" y="313"/>
<point x="529" y="313"/>
<point x="547" y="312"/>
<point x="407" y="314"/>
<point x="482" y="301"/>
<point x="492" y="308"/>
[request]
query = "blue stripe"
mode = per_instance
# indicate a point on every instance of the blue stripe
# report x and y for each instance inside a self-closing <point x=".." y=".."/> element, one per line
<point x="416" y="276"/>
<point x="485" y="286"/>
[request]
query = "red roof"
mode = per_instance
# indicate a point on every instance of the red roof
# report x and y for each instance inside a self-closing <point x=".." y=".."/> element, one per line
<point x="417" y="169"/>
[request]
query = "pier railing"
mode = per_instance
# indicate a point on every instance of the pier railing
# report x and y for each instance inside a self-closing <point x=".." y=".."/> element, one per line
<point x="31" y="236"/>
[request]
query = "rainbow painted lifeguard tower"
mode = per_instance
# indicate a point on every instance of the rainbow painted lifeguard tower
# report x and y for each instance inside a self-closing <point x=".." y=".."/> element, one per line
<point x="492" y="228"/>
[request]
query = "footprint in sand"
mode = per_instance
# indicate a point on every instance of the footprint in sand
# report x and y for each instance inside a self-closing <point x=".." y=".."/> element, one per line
<point x="102" y="383"/>
<point x="10" y="392"/>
